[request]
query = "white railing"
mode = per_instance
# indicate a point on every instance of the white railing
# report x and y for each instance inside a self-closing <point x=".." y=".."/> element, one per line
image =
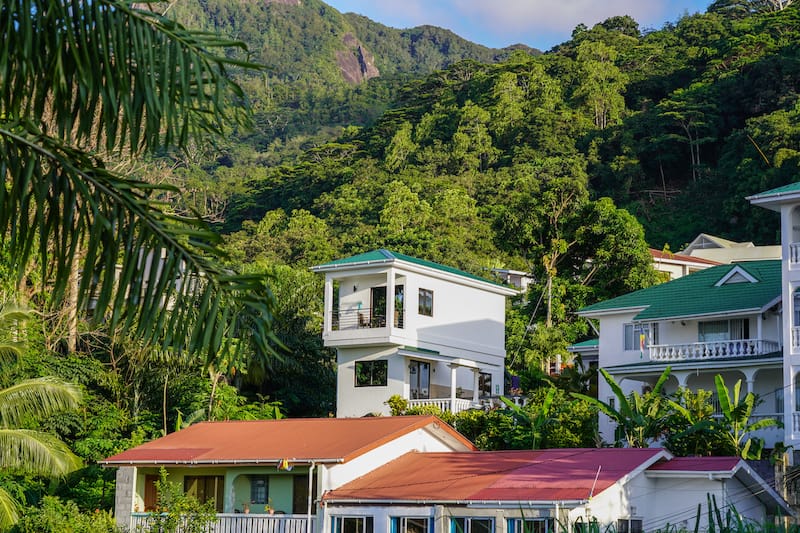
<point x="796" y="422"/>
<point x="795" y="338"/>
<point x="794" y="253"/>
<point x="238" y="523"/>
<point x="443" y="404"/>
<point x="364" y="318"/>
<point x="712" y="350"/>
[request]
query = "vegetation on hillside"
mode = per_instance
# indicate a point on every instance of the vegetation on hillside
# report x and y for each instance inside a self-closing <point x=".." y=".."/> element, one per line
<point x="565" y="165"/>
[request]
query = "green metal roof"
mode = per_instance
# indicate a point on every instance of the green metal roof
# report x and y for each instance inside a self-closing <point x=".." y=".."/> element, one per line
<point x="386" y="256"/>
<point x="790" y="188"/>
<point x="591" y="343"/>
<point x="697" y="294"/>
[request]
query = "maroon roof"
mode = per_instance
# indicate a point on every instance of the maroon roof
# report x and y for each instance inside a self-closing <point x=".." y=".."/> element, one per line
<point x="697" y="464"/>
<point x="658" y="254"/>
<point x="266" y="441"/>
<point x="538" y="475"/>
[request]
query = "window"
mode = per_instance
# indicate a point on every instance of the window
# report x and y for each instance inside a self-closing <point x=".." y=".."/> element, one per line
<point x="404" y="524"/>
<point x="724" y="330"/>
<point x="205" y="489"/>
<point x="471" y="525"/>
<point x="531" y="525"/>
<point x="636" y="333"/>
<point x="484" y="384"/>
<point x="372" y="373"/>
<point x="259" y="489"/>
<point x="426" y="302"/>
<point x="352" y="524"/>
<point x="628" y="525"/>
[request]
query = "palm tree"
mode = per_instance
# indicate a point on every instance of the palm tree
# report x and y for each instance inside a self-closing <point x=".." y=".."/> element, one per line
<point x="24" y="450"/>
<point x="83" y="83"/>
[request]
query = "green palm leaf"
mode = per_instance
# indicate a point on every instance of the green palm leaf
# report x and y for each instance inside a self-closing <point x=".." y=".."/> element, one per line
<point x="9" y="510"/>
<point x="36" y="398"/>
<point x="112" y="76"/>
<point x="35" y="452"/>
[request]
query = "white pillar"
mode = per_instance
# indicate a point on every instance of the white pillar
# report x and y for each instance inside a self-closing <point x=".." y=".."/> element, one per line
<point x="389" y="313"/>
<point x="328" y="315"/>
<point x="453" y="369"/>
<point x="476" y="374"/>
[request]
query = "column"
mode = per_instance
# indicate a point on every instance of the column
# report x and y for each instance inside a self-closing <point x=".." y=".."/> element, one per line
<point x="327" y="317"/>
<point x="390" y="298"/>
<point x="453" y="369"/>
<point x="476" y="374"/>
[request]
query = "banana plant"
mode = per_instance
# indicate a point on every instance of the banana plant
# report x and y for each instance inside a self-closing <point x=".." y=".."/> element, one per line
<point x="537" y="419"/>
<point x="736" y="425"/>
<point x="641" y="417"/>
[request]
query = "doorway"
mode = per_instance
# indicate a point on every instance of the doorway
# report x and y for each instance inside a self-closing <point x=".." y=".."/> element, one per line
<point x="419" y="378"/>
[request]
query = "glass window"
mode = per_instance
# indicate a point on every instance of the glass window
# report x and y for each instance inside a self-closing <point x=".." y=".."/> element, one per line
<point x="629" y="526"/>
<point x="723" y="330"/>
<point x="484" y="384"/>
<point x="205" y="489"/>
<point x="471" y="525"/>
<point x="352" y="524"/>
<point x="372" y="373"/>
<point x="259" y="488"/>
<point x="426" y="302"/>
<point x="531" y="525"/>
<point x="640" y="336"/>
<point x="406" y="524"/>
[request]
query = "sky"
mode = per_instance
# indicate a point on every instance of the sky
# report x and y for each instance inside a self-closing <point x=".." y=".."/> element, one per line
<point x="541" y="24"/>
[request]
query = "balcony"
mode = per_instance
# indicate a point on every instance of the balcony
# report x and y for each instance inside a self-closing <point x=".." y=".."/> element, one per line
<point x="794" y="254"/>
<point x="239" y="522"/>
<point x="444" y="404"/>
<point x="364" y="318"/>
<point x="703" y="351"/>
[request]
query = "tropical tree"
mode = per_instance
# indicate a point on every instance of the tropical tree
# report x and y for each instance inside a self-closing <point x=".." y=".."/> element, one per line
<point x="87" y="84"/>
<point x="536" y="419"/>
<point x="735" y="424"/>
<point x="640" y="417"/>
<point x="24" y="450"/>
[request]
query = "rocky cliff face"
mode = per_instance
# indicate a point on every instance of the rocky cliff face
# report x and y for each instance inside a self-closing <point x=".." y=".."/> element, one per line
<point x="356" y="63"/>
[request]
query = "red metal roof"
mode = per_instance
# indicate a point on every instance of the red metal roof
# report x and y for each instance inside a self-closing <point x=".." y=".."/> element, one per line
<point x="299" y="440"/>
<point x="697" y="464"/>
<point x="516" y="476"/>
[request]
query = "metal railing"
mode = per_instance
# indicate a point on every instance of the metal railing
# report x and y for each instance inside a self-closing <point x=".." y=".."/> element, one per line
<point x="712" y="350"/>
<point x="443" y="404"/>
<point x="364" y="318"/>
<point x="238" y="523"/>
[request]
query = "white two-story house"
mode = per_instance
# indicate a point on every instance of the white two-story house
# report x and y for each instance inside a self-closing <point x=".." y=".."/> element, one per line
<point x="722" y="320"/>
<point x="409" y="327"/>
<point x="739" y="320"/>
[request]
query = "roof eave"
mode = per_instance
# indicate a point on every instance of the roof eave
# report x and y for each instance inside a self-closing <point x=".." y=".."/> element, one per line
<point x="219" y="462"/>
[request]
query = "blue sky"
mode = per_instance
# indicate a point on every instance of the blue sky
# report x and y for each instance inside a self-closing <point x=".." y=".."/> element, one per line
<point x="498" y="23"/>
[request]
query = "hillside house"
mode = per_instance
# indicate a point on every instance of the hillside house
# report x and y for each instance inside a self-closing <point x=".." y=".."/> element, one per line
<point x="245" y="466"/>
<point x="432" y="334"/>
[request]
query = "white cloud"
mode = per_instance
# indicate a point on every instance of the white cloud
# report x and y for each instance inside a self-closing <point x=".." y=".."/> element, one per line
<point x="532" y="16"/>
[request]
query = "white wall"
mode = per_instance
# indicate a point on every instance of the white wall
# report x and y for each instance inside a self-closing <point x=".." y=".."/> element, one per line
<point x="352" y="401"/>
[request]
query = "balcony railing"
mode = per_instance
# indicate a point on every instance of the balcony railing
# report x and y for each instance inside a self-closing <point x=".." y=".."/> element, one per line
<point x="794" y="253"/>
<point x="237" y="523"/>
<point x="364" y="318"/>
<point x="712" y="350"/>
<point x="795" y="338"/>
<point x="443" y="404"/>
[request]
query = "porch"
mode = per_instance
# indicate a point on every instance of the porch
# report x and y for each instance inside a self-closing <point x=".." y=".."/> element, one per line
<point x="239" y="523"/>
<point x="712" y="350"/>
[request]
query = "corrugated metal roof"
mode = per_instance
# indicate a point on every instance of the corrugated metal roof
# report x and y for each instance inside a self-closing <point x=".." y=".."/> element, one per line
<point x="510" y="476"/>
<point x="697" y="464"/>
<point x="265" y="441"/>
<point x="698" y="294"/>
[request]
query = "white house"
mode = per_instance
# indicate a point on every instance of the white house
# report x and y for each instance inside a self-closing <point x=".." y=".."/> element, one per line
<point x="547" y="491"/>
<point x="678" y="265"/>
<point x="723" y="320"/>
<point x="404" y="326"/>
<point x="719" y="250"/>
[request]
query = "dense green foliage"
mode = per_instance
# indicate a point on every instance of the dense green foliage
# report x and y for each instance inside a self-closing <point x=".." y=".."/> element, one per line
<point x="564" y="165"/>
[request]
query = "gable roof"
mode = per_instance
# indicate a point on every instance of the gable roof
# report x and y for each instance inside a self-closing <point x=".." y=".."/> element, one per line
<point x="301" y="440"/>
<point x="500" y="476"/>
<point x="698" y="294"/>
<point x="669" y="257"/>
<point x="383" y="256"/>
<point x="772" y="198"/>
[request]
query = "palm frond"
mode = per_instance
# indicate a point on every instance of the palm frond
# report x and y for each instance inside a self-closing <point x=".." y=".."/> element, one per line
<point x="9" y="510"/>
<point x="35" y="452"/>
<point x="36" y="398"/>
<point x="124" y="79"/>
